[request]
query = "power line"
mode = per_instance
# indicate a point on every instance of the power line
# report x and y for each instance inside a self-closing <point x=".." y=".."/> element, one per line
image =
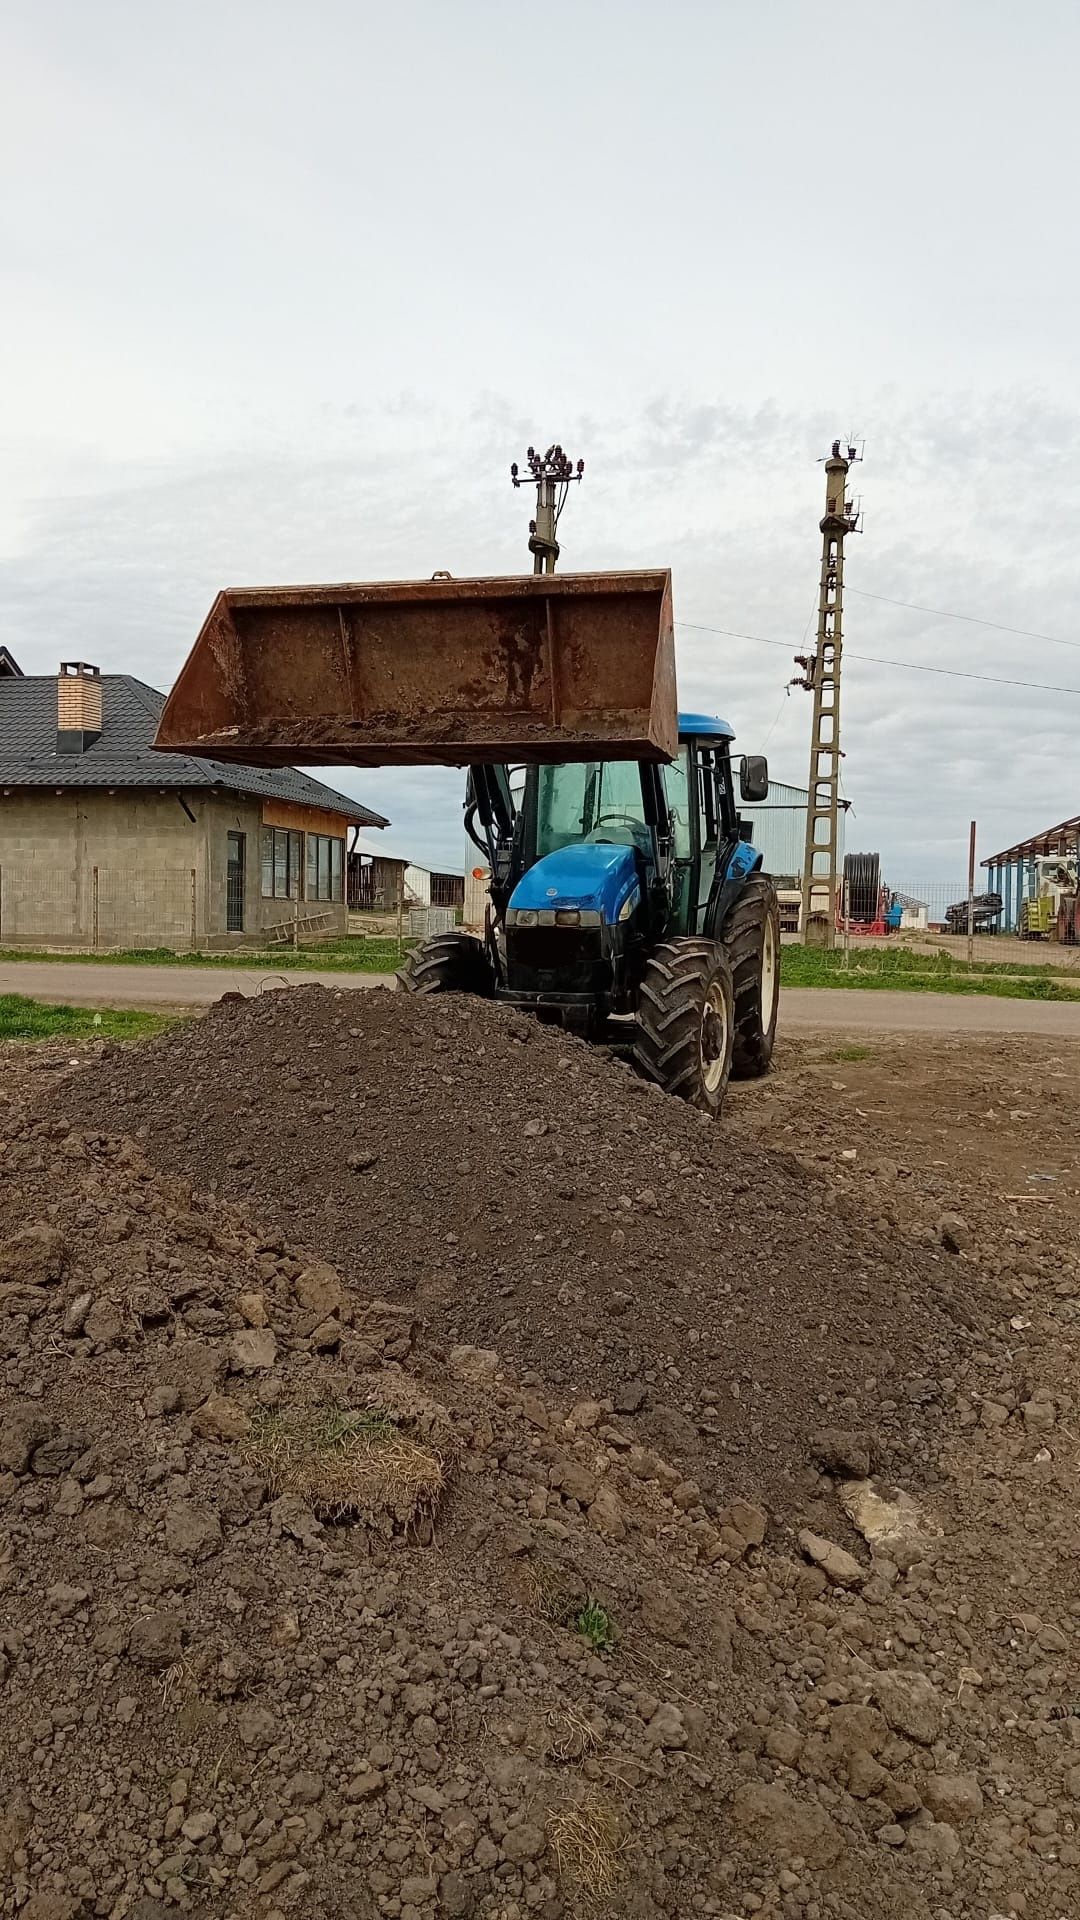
<point x="878" y="660"/>
<point x="783" y="702"/>
<point x="973" y="619"/>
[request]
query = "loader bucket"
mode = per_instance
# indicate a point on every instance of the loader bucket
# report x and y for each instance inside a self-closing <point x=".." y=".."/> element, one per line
<point x="432" y="672"/>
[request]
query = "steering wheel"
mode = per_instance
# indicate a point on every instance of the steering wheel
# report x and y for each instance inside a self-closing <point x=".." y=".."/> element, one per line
<point x="613" y="819"/>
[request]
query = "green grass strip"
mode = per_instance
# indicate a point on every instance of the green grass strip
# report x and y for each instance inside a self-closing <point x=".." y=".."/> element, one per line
<point x="905" y="970"/>
<point x="23" y="1019"/>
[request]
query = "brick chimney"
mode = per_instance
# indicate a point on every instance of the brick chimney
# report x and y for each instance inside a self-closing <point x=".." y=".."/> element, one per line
<point x="78" y="706"/>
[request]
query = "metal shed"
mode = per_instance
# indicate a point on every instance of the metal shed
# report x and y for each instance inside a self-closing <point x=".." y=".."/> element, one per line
<point x="1012" y="872"/>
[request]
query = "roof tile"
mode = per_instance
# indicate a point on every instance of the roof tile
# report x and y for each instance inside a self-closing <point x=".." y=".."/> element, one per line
<point x="124" y="755"/>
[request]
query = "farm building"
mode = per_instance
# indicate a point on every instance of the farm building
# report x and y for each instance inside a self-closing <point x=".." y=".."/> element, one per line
<point x="1013" y="873"/>
<point x="106" y="843"/>
<point x="914" y="914"/>
<point x="379" y="882"/>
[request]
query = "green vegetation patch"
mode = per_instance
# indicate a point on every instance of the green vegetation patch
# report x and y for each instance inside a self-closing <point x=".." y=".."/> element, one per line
<point x="23" y="1019"/>
<point x="905" y="970"/>
<point x="350" y="954"/>
<point x="595" y="1624"/>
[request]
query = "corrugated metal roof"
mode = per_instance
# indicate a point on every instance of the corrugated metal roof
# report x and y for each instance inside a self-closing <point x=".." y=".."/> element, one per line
<point x="124" y="754"/>
<point x="1061" y="838"/>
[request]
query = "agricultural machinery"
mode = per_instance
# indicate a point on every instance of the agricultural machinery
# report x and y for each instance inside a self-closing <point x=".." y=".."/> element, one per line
<point x="1051" y="911"/>
<point x="624" y="884"/>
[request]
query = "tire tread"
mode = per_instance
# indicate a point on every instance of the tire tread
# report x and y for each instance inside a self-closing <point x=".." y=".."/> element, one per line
<point x="667" y="1046"/>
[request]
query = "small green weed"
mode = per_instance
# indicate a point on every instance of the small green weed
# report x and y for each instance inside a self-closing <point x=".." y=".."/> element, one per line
<point x="595" y="1624"/>
<point x="846" y="1054"/>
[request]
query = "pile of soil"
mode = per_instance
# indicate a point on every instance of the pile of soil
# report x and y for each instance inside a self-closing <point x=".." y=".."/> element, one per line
<point x="527" y="1193"/>
<point x="315" y="1605"/>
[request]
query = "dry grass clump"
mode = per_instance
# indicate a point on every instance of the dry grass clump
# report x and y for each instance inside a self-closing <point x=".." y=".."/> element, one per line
<point x="569" y="1736"/>
<point x="347" y="1465"/>
<point x="585" y="1837"/>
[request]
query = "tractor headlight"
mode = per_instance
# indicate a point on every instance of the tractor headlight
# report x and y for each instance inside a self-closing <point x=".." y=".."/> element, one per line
<point x="567" y="917"/>
<point x="628" y="905"/>
<point x="522" y="916"/>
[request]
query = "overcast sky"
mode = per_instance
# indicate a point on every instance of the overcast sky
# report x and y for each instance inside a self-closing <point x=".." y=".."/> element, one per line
<point x="284" y="289"/>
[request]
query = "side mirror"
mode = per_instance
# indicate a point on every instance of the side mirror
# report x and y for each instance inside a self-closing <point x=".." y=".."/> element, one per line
<point x="753" y="777"/>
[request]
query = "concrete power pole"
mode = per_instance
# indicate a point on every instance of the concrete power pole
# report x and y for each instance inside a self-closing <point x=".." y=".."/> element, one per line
<point x="821" y="677"/>
<point x="551" y="473"/>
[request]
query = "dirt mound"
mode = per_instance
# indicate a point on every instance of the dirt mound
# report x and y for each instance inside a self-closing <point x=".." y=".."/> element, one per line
<point x="528" y="1194"/>
<point x="308" y="1613"/>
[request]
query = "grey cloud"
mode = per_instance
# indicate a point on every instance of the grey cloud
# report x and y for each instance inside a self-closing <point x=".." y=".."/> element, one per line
<point x="728" y="497"/>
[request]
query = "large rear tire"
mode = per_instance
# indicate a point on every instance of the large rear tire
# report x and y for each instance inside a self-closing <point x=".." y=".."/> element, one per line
<point x="686" y="1022"/>
<point x="449" y="963"/>
<point x="752" y="937"/>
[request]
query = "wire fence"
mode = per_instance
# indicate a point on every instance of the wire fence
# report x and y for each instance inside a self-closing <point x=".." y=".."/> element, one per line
<point x="932" y="915"/>
<point x="926" y="904"/>
<point x="98" y="908"/>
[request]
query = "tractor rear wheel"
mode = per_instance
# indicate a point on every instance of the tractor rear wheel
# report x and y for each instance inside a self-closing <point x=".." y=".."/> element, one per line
<point x="752" y="937"/>
<point x="449" y="963"/>
<point x="686" y="1022"/>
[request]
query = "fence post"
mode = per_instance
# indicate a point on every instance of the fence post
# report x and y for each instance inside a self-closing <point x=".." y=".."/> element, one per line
<point x="194" y="913"/>
<point x="971" y="896"/>
<point x="401" y="915"/>
<point x="95" y="911"/>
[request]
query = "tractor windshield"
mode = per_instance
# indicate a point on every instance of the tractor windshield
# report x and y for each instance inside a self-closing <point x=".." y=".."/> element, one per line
<point x="590" y="800"/>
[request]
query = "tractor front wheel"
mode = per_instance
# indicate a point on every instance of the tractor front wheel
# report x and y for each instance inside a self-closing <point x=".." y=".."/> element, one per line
<point x="686" y="1022"/>
<point x="752" y="937"/>
<point x="449" y="963"/>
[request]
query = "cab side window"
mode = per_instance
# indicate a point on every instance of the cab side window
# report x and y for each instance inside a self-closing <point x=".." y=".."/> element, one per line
<point x="677" y="794"/>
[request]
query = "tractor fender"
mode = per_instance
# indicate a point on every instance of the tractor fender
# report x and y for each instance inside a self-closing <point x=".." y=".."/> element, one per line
<point x="733" y="869"/>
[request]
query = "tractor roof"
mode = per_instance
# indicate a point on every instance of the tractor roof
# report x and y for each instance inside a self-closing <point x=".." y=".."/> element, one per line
<point x="704" y="723"/>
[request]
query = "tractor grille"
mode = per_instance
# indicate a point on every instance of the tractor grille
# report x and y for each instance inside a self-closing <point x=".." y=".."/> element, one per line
<point x="553" y="957"/>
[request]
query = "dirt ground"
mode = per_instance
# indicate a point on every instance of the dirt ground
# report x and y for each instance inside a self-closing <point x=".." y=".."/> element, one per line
<point x="751" y="1584"/>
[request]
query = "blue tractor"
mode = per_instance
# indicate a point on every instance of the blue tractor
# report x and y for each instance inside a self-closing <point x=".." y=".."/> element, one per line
<point x="632" y="888"/>
<point x="624" y="883"/>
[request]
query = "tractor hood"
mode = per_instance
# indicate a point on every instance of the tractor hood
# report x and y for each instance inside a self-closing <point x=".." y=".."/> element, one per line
<point x="589" y="878"/>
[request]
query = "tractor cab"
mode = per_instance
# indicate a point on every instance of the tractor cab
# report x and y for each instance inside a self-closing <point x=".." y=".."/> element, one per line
<point x="595" y="861"/>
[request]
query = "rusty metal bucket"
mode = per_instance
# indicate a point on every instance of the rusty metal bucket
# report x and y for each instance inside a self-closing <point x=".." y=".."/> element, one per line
<point x="432" y="672"/>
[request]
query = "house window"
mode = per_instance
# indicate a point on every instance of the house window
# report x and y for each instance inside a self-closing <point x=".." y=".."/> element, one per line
<point x="281" y="863"/>
<point x="325" y="867"/>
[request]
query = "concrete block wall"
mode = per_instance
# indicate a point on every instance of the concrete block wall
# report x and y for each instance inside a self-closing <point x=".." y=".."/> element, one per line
<point x="143" y="845"/>
<point x="161" y="875"/>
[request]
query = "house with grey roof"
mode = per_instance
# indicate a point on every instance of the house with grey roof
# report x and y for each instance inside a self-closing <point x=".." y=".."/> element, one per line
<point x="106" y="843"/>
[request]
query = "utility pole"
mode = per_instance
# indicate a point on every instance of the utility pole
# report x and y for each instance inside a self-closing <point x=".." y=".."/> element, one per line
<point x="551" y="473"/>
<point x="821" y="677"/>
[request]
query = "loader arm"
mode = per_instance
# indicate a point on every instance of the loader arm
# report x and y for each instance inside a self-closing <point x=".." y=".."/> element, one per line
<point x="493" y="824"/>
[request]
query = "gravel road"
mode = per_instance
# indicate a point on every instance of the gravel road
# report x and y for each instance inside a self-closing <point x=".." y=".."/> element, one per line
<point x="125" y="985"/>
<point x="805" y="1009"/>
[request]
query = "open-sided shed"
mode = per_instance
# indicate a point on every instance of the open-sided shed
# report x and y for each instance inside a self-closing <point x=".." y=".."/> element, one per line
<point x="1012" y="871"/>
